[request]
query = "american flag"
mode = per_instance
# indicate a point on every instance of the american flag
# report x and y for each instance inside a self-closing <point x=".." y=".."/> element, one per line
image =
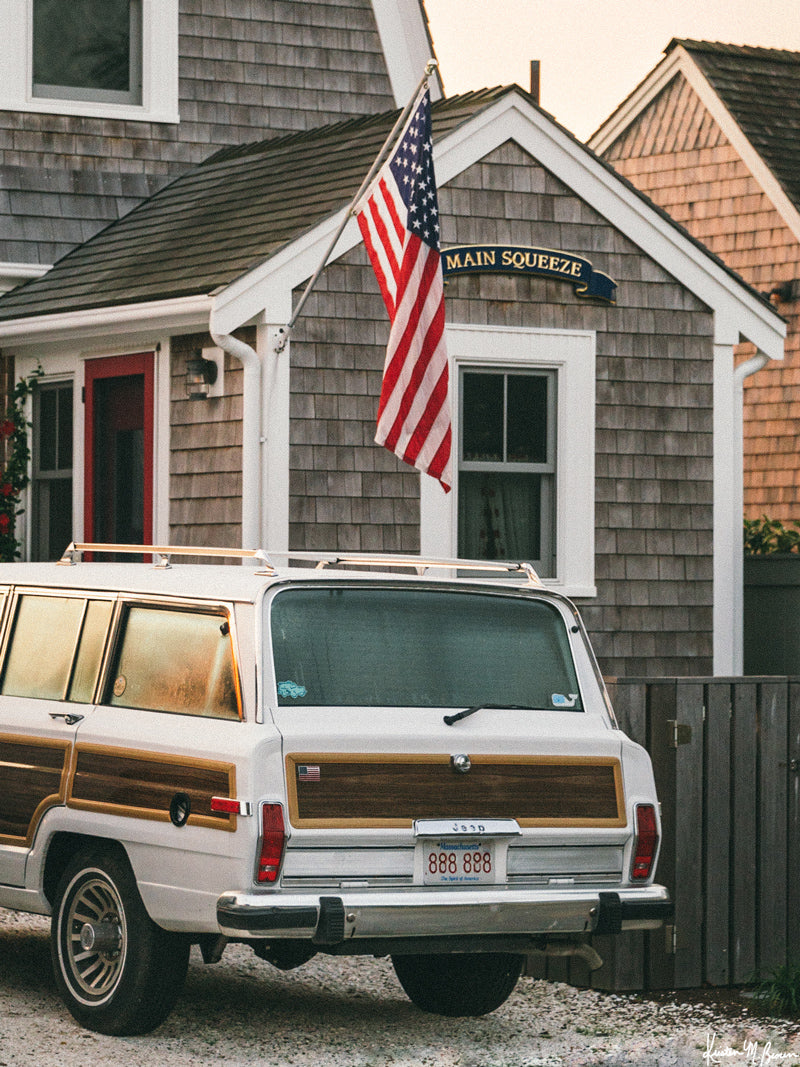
<point x="399" y="220"/>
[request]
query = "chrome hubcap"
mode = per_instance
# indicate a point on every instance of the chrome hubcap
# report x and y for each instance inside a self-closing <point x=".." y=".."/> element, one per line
<point x="95" y="941"/>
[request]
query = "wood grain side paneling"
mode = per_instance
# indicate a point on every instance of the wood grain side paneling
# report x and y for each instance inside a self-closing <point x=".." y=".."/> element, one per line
<point x="32" y="778"/>
<point x="387" y="790"/>
<point x="142" y="784"/>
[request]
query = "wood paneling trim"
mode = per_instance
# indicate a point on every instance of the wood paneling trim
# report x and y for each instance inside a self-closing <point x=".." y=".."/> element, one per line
<point x="34" y="776"/>
<point x="141" y="785"/>
<point x="390" y="790"/>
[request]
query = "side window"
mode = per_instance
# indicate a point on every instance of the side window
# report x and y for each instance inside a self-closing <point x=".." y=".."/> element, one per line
<point x="88" y="50"/>
<point x="507" y="463"/>
<point x="175" y="661"/>
<point x="55" y="648"/>
<point x="52" y="470"/>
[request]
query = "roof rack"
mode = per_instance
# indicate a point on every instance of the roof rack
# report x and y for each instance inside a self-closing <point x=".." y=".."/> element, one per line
<point x="74" y="551"/>
<point x="420" y="564"/>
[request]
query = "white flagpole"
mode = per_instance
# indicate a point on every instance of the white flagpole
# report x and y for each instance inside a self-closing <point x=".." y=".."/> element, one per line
<point x="285" y="331"/>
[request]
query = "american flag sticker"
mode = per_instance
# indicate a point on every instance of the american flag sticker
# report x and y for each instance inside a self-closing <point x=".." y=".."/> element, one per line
<point x="307" y="772"/>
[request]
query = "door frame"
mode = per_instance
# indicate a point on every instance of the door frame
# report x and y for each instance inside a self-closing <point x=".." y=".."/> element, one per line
<point x="118" y="367"/>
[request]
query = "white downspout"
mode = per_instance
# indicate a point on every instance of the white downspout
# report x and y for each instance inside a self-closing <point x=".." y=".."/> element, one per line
<point x="251" y="435"/>
<point x="744" y="370"/>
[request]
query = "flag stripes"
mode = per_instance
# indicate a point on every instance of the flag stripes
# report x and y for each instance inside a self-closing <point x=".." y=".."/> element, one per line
<point x="398" y="219"/>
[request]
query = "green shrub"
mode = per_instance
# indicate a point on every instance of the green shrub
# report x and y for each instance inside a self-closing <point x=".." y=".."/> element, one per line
<point x="763" y="537"/>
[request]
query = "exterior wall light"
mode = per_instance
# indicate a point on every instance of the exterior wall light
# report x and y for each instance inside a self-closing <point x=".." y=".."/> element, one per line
<point x="202" y="376"/>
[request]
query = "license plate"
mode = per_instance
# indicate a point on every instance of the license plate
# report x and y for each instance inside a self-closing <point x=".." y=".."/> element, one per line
<point x="458" y="862"/>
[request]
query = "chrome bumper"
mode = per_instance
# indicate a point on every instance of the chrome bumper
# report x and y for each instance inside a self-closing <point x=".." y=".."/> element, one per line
<point x="366" y="915"/>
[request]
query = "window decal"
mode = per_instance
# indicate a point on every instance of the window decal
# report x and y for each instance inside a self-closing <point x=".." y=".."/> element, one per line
<point x="291" y="689"/>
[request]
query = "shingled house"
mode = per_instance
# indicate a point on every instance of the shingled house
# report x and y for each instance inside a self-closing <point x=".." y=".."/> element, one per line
<point x="99" y="111"/>
<point x="624" y="493"/>
<point x="713" y="135"/>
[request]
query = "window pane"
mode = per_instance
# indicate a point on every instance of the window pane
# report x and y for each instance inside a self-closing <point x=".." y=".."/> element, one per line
<point x="499" y="515"/>
<point x="82" y="44"/>
<point x="90" y="651"/>
<point x="527" y="418"/>
<point x="42" y="644"/>
<point x="48" y="429"/>
<point x="176" y="661"/>
<point x="410" y="648"/>
<point x="482" y="414"/>
<point x="65" y="428"/>
<point x="52" y="509"/>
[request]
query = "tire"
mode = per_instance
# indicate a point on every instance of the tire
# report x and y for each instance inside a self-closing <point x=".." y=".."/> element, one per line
<point x="117" y="971"/>
<point x="468" y="984"/>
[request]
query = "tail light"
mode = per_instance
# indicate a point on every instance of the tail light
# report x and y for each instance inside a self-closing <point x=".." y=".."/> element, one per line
<point x="645" y="844"/>
<point x="273" y="842"/>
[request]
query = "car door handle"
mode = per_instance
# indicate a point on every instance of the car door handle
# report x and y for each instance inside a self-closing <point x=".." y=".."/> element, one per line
<point x="68" y="718"/>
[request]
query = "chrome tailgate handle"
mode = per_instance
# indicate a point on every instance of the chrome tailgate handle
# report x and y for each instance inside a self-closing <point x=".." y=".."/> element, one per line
<point x="69" y="718"/>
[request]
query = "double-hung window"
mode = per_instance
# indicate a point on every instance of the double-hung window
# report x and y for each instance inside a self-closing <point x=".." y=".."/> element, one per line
<point x="523" y="408"/>
<point x="506" y="469"/>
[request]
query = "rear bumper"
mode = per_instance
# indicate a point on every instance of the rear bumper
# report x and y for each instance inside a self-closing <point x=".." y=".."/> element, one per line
<point x="419" y="913"/>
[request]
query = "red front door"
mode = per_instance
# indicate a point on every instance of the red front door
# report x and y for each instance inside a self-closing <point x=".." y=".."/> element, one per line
<point x="118" y="499"/>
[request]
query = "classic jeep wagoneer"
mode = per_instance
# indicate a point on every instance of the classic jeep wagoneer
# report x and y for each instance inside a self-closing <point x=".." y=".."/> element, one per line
<point x="412" y="762"/>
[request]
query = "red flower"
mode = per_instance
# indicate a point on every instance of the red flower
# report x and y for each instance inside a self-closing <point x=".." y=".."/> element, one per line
<point x="6" y="489"/>
<point x="5" y="522"/>
<point x="7" y="427"/>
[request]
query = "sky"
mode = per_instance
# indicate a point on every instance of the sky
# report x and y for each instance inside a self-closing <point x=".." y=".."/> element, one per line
<point x="593" y="53"/>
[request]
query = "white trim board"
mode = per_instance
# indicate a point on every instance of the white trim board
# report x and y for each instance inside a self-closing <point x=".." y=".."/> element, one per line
<point x="406" y="45"/>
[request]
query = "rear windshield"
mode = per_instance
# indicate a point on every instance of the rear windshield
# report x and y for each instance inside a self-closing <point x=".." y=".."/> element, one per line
<point x="370" y="647"/>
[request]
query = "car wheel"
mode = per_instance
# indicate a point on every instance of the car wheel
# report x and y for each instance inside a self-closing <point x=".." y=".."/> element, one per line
<point x="468" y="984"/>
<point x="117" y="971"/>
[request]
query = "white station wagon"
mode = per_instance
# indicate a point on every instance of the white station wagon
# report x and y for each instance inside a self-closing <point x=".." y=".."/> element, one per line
<point x="374" y="755"/>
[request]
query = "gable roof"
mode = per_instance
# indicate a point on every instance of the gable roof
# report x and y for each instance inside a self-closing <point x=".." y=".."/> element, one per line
<point x="760" y="87"/>
<point x="216" y="222"/>
<point x="753" y="94"/>
<point x="234" y="236"/>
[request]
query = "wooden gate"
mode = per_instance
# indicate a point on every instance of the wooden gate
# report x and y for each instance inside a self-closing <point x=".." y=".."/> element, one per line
<point x="726" y="758"/>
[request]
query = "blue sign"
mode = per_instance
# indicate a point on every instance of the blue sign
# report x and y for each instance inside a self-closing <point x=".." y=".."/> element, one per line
<point x="546" y="262"/>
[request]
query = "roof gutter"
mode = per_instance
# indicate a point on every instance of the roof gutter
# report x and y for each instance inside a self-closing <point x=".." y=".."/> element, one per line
<point x="251" y="434"/>
<point x="153" y="315"/>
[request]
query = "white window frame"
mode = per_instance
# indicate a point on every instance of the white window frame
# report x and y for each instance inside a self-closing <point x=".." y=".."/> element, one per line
<point x="572" y="355"/>
<point x="159" y="67"/>
<point x="37" y="479"/>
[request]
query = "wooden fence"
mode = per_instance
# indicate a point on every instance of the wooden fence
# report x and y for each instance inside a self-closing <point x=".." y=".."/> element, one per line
<point x="726" y="758"/>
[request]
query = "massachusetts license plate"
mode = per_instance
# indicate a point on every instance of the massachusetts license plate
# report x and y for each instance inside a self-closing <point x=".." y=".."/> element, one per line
<point x="458" y="862"/>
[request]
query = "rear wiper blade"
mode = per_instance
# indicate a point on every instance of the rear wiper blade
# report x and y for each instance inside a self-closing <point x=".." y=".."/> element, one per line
<point x="450" y="719"/>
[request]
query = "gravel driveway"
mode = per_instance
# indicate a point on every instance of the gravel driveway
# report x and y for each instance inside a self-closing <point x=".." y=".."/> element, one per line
<point x="352" y="1012"/>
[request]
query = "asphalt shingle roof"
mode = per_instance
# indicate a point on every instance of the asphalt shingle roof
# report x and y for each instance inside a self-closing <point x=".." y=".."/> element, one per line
<point x="223" y="217"/>
<point x="760" y="87"/>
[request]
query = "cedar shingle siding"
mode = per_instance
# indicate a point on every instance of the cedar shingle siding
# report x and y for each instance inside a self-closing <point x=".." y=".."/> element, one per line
<point x="676" y="153"/>
<point x="653" y="614"/>
<point x="205" y="468"/>
<point x="246" y="70"/>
